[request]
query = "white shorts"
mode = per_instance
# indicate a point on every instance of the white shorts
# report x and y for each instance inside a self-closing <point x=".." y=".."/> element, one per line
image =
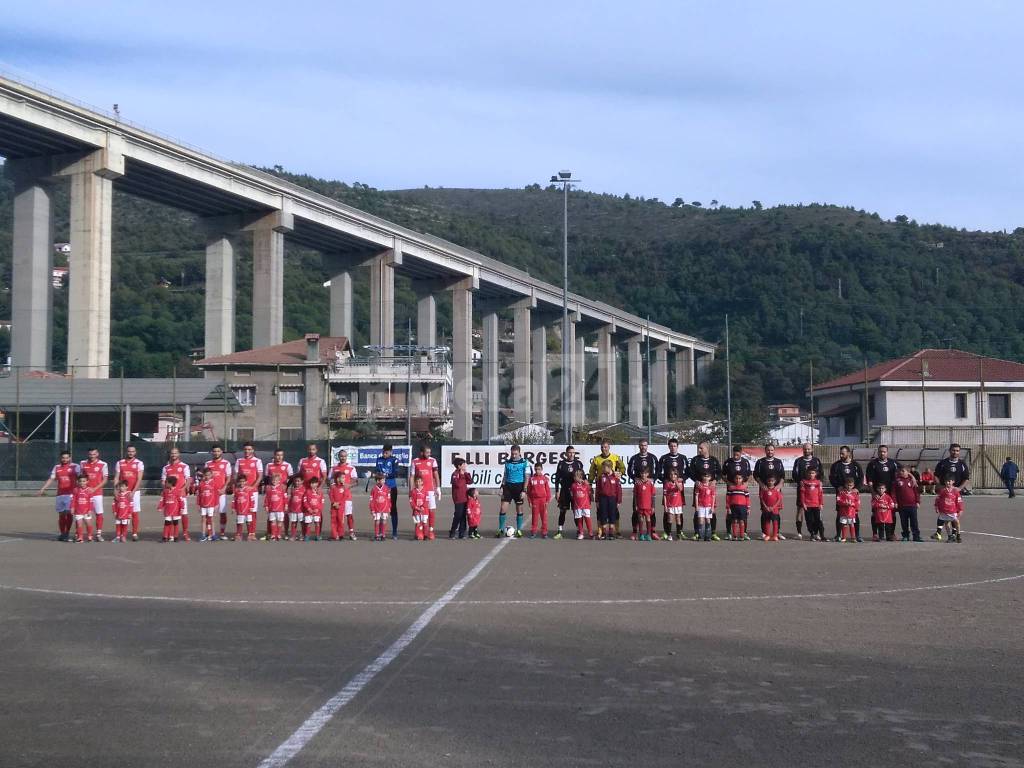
<point x="172" y="519"/>
<point x="704" y="513"/>
<point x="278" y="516"/>
<point x="311" y="518"/>
<point x="255" y="502"/>
<point x="380" y="516"/>
<point x="136" y="501"/>
<point x="348" y="508"/>
<point x="420" y="519"/>
<point x="63" y="504"/>
<point x="847" y="520"/>
<point x="432" y="500"/>
<point x="580" y="513"/>
<point x="295" y="517"/>
<point x="184" y="505"/>
<point x="97" y="505"/>
<point x="207" y="511"/>
<point x="222" y="503"/>
<point x="239" y="519"/>
<point x="949" y="517"/>
<point x="122" y="521"/>
<point x="674" y="510"/>
<point x="83" y="517"/>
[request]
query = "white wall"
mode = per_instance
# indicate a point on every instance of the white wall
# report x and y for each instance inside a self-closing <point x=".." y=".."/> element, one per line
<point x="903" y="408"/>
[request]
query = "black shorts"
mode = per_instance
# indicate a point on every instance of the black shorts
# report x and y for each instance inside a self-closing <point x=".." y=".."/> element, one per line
<point x="513" y="492"/>
<point x="738" y="511"/>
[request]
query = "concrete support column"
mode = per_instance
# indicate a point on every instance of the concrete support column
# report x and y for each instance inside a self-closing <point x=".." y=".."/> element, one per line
<point x="539" y="366"/>
<point x="579" y="381"/>
<point x="636" y="381"/>
<point x="462" y="362"/>
<point x="220" y="295"/>
<point x="684" y="377"/>
<point x="568" y="395"/>
<point x="426" y="319"/>
<point x="341" y="305"/>
<point x="490" y="376"/>
<point x="607" y="376"/>
<point x="267" y="286"/>
<point x="659" y="383"/>
<point x="522" y="360"/>
<point x="187" y="434"/>
<point x="382" y="303"/>
<point x="32" y="276"/>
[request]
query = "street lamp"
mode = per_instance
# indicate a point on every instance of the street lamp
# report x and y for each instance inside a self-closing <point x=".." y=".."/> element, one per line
<point x="566" y="180"/>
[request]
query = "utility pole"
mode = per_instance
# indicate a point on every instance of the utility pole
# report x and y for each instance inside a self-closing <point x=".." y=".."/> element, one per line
<point x="728" y="382"/>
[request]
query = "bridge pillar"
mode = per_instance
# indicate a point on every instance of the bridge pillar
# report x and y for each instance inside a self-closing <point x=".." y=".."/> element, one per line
<point x="268" y="280"/>
<point x="462" y="360"/>
<point x="539" y="365"/>
<point x="521" y="360"/>
<point x="220" y="294"/>
<point x="607" y="376"/>
<point x="426" y="319"/>
<point x="579" y="380"/>
<point x="658" y="371"/>
<point x="341" y="305"/>
<point x="490" y="364"/>
<point x="31" y="271"/>
<point x="382" y="302"/>
<point x="636" y="381"/>
<point x="684" y="377"/>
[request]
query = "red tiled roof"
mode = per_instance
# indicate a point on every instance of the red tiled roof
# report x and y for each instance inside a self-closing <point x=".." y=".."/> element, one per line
<point x="942" y="365"/>
<point x="289" y="353"/>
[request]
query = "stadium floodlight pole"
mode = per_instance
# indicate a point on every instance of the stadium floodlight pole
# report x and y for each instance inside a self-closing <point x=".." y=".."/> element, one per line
<point x="728" y="384"/>
<point x="566" y="180"/>
<point x="650" y="399"/>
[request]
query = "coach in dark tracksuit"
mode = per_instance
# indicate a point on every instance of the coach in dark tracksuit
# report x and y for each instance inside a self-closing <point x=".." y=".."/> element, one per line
<point x="801" y="467"/>
<point x="769" y="467"/>
<point x="671" y="460"/>
<point x="565" y="476"/>
<point x="735" y="469"/>
<point x="705" y="464"/>
<point x="837" y="474"/>
<point x="951" y="467"/>
<point x="881" y="470"/>
<point x="638" y="462"/>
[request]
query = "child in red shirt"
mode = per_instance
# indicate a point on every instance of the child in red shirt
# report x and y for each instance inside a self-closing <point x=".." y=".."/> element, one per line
<point x="473" y="513"/>
<point x="275" y="501"/>
<point x="538" y="493"/>
<point x="380" y="506"/>
<point x="123" y="508"/>
<point x="312" y="509"/>
<point x="771" y="510"/>
<point x="81" y="508"/>
<point x="848" y="511"/>
<point x="949" y="505"/>
<point x="883" y="525"/>
<point x="737" y="499"/>
<point x="420" y="511"/>
<point x="609" y="496"/>
<point x="241" y="503"/>
<point x="643" y="498"/>
<point x="461" y="480"/>
<point x="170" y="505"/>
<point x="338" y="493"/>
<point x="208" y="498"/>
<point x="704" y="503"/>
<point x="810" y="500"/>
<point x="907" y="495"/>
<point x="295" y="498"/>
<point x="580" y="492"/>
<point x="673" y="500"/>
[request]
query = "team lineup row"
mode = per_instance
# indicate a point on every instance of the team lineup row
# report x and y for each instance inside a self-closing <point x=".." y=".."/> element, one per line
<point x="294" y="501"/>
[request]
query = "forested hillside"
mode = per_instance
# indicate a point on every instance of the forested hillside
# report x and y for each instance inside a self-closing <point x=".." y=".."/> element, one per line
<point x="776" y="272"/>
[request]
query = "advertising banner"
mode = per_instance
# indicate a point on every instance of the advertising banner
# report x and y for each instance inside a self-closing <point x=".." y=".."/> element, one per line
<point x="364" y="457"/>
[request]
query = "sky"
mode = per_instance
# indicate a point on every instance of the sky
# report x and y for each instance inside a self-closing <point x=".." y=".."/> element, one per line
<point x="903" y="107"/>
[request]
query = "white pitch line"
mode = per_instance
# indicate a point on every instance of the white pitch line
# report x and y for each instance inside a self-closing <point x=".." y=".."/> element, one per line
<point x="315" y="722"/>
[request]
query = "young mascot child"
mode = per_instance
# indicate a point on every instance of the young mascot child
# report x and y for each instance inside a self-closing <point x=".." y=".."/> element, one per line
<point x="275" y="501"/>
<point x="241" y="503"/>
<point x="123" y="508"/>
<point x="848" y="511"/>
<point x="883" y="525"/>
<point x="418" y="502"/>
<point x="473" y="513"/>
<point x="644" y="494"/>
<point x="811" y="499"/>
<point x="295" y="498"/>
<point x="609" y="496"/>
<point x="313" y="509"/>
<point x="462" y="478"/>
<point x="737" y="499"/>
<point x="170" y="506"/>
<point x="581" y="504"/>
<point x="380" y="506"/>
<point x="338" y="493"/>
<point x="704" y="503"/>
<point x="673" y="501"/>
<point x="771" y="509"/>
<point x="907" y="494"/>
<point x="81" y="508"/>
<point x="208" y="498"/>
<point x="949" y="505"/>
<point x="538" y="493"/>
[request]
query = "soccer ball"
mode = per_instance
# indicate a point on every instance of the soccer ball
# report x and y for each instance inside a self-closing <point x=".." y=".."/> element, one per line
<point x="510" y="531"/>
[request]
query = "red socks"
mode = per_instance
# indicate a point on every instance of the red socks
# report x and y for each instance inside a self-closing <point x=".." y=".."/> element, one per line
<point x="590" y="530"/>
<point x="223" y="522"/>
<point x="239" y="529"/>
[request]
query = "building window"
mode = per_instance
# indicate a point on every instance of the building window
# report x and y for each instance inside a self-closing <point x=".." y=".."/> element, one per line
<point x="289" y="435"/>
<point x="960" y="405"/>
<point x="242" y="434"/>
<point x="246" y="396"/>
<point x="292" y="374"/>
<point x="871" y="406"/>
<point x="243" y="373"/>
<point x="850" y="424"/>
<point x="291" y="397"/>
<point x="999" y="406"/>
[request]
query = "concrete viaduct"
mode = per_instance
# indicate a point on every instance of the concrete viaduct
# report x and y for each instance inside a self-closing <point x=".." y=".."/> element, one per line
<point x="47" y="140"/>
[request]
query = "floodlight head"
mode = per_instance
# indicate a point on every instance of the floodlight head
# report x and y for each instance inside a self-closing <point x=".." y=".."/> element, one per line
<point x="565" y="174"/>
<point x="554" y="179"/>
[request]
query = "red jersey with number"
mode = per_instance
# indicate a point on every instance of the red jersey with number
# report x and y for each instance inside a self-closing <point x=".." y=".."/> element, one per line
<point x="538" y="489"/>
<point x="251" y="469"/>
<point x="130" y="471"/>
<point x="348" y="477"/>
<point x="906" y="491"/>
<point x="96" y="473"/>
<point x="295" y="499"/>
<point x="313" y="466"/>
<point x="312" y="502"/>
<point x="282" y="470"/>
<point x="704" y="495"/>
<point x="948" y="501"/>
<point x="810" y="494"/>
<point x="123" y="506"/>
<point x="221" y="469"/>
<point x="644" y="493"/>
<point x="275" y="499"/>
<point x="241" y="503"/>
<point x="737" y="495"/>
<point x="848" y="502"/>
<point x="170" y="502"/>
<point x="418" y="500"/>
<point x="771" y="500"/>
<point x="425" y="468"/>
<point x="882" y="506"/>
<point x="81" y="501"/>
<point x="673" y="493"/>
<point x="380" y="499"/>
<point x="181" y="471"/>
<point x="209" y="493"/>
<point x="581" y="495"/>
<point x="66" y="476"/>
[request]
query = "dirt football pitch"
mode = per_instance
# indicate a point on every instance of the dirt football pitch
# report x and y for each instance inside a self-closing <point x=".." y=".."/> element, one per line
<point x="511" y="652"/>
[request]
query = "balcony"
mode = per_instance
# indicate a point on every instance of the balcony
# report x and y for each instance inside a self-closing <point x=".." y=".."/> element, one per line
<point x="388" y="370"/>
<point x="350" y="412"/>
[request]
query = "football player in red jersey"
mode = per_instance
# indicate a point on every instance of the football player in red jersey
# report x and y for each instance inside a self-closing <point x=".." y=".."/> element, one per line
<point x="425" y="467"/>
<point x="282" y="470"/>
<point x="249" y="469"/>
<point x="178" y="469"/>
<point x="221" y="469"/>
<point x="130" y="470"/>
<point x="95" y="471"/>
<point x="65" y="474"/>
